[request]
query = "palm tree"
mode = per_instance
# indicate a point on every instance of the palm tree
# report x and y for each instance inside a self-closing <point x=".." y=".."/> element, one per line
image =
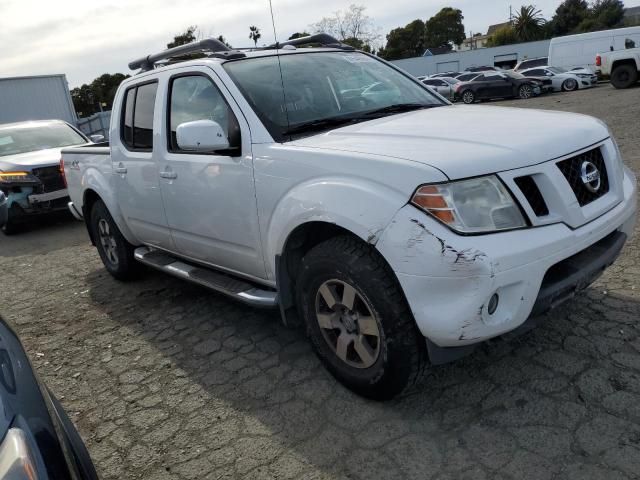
<point x="528" y="24"/>
<point x="254" y="34"/>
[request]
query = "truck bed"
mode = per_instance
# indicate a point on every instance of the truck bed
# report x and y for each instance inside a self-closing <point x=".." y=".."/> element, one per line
<point x="82" y="165"/>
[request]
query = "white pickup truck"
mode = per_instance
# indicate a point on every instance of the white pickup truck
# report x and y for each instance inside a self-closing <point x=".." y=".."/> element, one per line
<point x="396" y="227"/>
<point x="622" y="66"/>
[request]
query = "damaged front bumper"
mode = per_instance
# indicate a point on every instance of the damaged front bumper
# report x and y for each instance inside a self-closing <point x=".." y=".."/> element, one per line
<point x="449" y="279"/>
<point x="28" y="197"/>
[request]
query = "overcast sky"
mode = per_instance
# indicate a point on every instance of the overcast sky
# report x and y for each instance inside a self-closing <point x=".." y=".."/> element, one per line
<point x="85" y="38"/>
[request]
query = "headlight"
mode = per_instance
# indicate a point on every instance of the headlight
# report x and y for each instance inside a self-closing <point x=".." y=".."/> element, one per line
<point x="477" y="205"/>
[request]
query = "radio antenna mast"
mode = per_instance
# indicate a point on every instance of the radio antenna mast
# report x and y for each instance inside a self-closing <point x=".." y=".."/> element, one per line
<point x="273" y="22"/>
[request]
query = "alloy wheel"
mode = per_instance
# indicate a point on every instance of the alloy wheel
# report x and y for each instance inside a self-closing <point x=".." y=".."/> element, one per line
<point x="468" y="97"/>
<point x="526" y="91"/>
<point x="348" y="324"/>
<point x="108" y="241"/>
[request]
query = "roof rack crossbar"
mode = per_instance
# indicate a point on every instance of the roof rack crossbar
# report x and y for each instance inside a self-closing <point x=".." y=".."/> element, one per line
<point x="206" y="45"/>
<point x="323" y="39"/>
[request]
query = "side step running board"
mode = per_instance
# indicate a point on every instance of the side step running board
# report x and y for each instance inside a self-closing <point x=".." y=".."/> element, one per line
<point x="220" y="282"/>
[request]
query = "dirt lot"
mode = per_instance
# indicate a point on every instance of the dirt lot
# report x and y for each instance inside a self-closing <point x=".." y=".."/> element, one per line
<point x="167" y="380"/>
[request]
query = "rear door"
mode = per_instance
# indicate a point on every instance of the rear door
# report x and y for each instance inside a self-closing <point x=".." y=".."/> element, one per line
<point x="209" y="197"/>
<point x="134" y="159"/>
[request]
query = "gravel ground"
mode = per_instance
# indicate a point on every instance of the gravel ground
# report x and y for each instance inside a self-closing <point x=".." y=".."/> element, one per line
<point x="167" y="380"/>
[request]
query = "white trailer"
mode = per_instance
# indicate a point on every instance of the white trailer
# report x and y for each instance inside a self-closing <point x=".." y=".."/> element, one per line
<point x="39" y="97"/>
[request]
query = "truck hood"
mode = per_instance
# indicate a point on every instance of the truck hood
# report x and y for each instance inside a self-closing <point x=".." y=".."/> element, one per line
<point x="30" y="160"/>
<point x="466" y="141"/>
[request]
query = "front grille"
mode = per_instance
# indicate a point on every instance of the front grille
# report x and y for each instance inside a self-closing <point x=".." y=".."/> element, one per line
<point x="50" y="177"/>
<point x="532" y="193"/>
<point x="571" y="169"/>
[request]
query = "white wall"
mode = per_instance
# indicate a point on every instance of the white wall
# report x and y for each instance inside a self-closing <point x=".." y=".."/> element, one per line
<point x="36" y="98"/>
<point x="484" y="56"/>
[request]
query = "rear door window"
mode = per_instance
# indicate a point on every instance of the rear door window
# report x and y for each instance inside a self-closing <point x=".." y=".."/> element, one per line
<point x="137" y="117"/>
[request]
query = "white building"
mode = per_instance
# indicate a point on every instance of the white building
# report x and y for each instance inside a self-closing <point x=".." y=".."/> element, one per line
<point x="505" y="56"/>
<point x="39" y="97"/>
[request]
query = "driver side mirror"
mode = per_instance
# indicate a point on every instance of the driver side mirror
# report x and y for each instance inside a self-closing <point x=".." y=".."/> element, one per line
<point x="201" y="136"/>
<point x="97" y="138"/>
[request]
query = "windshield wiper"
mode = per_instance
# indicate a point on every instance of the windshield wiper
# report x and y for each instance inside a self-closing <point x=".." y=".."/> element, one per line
<point x="398" y="108"/>
<point x="322" y="124"/>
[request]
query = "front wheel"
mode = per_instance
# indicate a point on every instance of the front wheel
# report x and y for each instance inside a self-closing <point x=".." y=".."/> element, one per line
<point x="624" y="76"/>
<point x="358" y="319"/>
<point x="468" y="97"/>
<point x="114" y="250"/>
<point x="569" y="85"/>
<point x="525" y="91"/>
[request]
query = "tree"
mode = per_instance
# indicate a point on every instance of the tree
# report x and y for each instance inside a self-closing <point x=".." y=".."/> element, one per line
<point x="445" y="28"/>
<point x="224" y="40"/>
<point x="298" y="35"/>
<point x="604" y="14"/>
<point x="352" y="23"/>
<point x="90" y="98"/>
<point x="405" y="42"/>
<point x="254" y="34"/>
<point x="183" y="38"/>
<point x="503" y="36"/>
<point x="529" y="24"/>
<point x="569" y="14"/>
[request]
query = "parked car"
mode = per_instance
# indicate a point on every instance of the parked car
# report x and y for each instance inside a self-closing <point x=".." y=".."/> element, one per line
<point x="38" y="441"/>
<point x="487" y="86"/>
<point x="623" y="66"/>
<point x="467" y="77"/>
<point x="580" y="50"/>
<point x="530" y="63"/>
<point x="443" y="85"/>
<point x="561" y="80"/>
<point x="483" y="69"/>
<point x="30" y="173"/>
<point x="395" y="228"/>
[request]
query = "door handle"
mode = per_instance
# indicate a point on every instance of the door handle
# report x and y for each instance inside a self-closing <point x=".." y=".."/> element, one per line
<point x="120" y="168"/>
<point x="169" y="174"/>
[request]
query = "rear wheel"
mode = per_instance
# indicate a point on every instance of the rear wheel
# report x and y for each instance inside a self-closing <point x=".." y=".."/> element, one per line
<point x="358" y="319"/>
<point x="116" y="253"/>
<point x="525" y="91"/>
<point x="624" y="76"/>
<point x="569" y="85"/>
<point x="468" y="97"/>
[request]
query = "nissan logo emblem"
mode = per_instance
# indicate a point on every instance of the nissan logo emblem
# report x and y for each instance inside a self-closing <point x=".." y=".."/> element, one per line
<point x="590" y="176"/>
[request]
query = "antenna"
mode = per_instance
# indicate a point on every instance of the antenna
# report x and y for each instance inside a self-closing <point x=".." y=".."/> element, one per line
<point x="273" y="22"/>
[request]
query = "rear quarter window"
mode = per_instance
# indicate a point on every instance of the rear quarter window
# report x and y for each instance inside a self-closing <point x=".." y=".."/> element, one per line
<point x="137" y="117"/>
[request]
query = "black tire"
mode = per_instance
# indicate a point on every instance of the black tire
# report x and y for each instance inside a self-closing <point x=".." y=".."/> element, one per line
<point x="119" y="261"/>
<point x="569" y="85"/>
<point x="401" y="349"/>
<point x="624" y="76"/>
<point x="525" y="91"/>
<point x="468" y="97"/>
<point x="10" y="228"/>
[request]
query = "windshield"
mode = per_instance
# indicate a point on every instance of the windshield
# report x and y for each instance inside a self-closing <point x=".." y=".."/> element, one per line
<point x="513" y="74"/>
<point x="451" y="81"/>
<point x="31" y="138"/>
<point x="556" y="69"/>
<point x="324" y="90"/>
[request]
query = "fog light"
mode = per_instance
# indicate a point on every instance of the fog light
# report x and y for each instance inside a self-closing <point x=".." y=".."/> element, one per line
<point x="493" y="304"/>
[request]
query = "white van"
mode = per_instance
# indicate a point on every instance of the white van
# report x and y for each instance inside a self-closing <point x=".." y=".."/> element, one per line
<point x="580" y="50"/>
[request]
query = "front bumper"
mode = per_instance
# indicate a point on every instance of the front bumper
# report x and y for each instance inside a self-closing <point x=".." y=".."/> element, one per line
<point x="448" y="279"/>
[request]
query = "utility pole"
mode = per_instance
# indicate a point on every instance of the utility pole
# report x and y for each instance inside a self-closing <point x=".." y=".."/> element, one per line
<point x="510" y="14"/>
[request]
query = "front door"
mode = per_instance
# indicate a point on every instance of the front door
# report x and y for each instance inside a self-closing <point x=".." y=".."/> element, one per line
<point x="209" y="197"/>
<point x="135" y="169"/>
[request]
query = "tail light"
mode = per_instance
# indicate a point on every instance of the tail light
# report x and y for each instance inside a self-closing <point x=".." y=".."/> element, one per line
<point x="64" y="178"/>
<point x="598" y="61"/>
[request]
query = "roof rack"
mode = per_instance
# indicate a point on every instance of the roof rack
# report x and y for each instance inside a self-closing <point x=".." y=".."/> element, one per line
<point x="210" y="46"/>
<point x="323" y="39"/>
<point x="213" y="47"/>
